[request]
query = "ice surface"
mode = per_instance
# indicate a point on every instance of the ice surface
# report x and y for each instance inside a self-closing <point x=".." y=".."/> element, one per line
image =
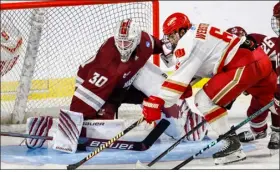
<point x="259" y="158"/>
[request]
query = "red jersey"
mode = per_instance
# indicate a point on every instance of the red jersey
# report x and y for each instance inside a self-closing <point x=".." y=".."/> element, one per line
<point x="100" y="75"/>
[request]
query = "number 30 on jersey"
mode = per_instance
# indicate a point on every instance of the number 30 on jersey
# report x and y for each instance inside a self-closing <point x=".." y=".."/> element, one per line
<point x="98" y="80"/>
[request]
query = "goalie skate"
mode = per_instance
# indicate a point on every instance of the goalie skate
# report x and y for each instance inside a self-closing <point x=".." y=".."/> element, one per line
<point x="230" y="152"/>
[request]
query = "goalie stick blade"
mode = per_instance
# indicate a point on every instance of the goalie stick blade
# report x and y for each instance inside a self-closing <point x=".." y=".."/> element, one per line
<point x="154" y="134"/>
<point x="130" y="145"/>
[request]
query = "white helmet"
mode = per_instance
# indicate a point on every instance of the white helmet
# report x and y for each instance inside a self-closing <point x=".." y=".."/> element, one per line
<point x="127" y="36"/>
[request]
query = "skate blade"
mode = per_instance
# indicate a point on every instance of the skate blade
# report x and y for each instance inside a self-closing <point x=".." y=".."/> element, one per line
<point x="273" y="152"/>
<point x="235" y="157"/>
<point x="139" y="165"/>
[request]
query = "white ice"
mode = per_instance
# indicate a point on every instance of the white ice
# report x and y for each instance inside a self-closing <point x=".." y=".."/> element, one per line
<point x="257" y="159"/>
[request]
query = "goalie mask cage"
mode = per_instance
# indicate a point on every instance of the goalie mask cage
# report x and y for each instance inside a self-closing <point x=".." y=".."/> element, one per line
<point x="58" y="36"/>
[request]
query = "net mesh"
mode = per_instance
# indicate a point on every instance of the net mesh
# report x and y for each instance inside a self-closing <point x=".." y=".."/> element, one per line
<point x="70" y="36"/>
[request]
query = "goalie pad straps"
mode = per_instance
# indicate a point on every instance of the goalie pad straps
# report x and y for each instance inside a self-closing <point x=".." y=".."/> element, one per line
<point x="39" y="127"/>
<point x="182" y="120"/>
<point x="68" y="132"/>
<point x="193" y="120"/>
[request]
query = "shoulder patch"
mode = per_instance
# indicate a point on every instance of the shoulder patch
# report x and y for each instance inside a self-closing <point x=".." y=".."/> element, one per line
<point x="180" y="53"/>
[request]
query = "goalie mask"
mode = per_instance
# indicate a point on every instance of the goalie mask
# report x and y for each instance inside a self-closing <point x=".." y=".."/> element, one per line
<point x="275" y="20"/>
<point x="127" y="37"/>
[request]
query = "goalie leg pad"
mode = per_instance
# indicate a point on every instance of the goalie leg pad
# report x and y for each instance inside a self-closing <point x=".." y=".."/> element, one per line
<point x="182" y="120"/>
<point x="38" y="126"/>
<point x="68" y="132"/>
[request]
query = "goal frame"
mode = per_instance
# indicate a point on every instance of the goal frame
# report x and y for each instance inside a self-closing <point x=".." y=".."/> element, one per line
<point x="18" y="112"/>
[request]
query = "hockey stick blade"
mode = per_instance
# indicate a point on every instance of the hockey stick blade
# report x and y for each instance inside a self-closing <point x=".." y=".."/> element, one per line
<point x="135" y="146"/>
<point x="221" y="137"/>
<point x="139" y="165"/>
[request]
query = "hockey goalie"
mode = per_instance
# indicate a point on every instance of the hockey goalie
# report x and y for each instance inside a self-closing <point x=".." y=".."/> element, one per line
<point x="119" y="73"/>
<point x="11" y="46"/>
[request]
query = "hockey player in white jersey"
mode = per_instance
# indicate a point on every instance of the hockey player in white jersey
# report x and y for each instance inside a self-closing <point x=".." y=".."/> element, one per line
<point x="233" y="64"/>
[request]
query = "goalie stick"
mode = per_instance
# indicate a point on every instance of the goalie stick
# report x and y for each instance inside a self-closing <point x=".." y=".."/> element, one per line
<point x="221" y="137"/>
<point x="118" y="144"/>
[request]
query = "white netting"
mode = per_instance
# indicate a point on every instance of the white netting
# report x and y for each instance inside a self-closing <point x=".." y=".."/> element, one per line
<point x="70" y="35"/>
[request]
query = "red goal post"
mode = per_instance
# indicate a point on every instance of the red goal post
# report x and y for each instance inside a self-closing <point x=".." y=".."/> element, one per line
<point x="51" y="31"/>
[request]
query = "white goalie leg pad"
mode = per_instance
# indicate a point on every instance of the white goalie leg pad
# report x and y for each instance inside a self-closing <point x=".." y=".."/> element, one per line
<point x="185" y="121"/>
<point x="193" y="119"/>
<point x="68" y="131"/>
<point x="102" y="129"/>
<point x="38" y="126"/>
<point x="176" y="127"/>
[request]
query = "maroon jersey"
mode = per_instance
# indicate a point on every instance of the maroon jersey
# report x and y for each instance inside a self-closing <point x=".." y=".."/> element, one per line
<point x="271" y="47"/>
<point x="99" y="76"/>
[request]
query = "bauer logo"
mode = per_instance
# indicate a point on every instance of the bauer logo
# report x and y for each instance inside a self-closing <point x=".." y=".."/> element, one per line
<point x="123" y="146"/>
<point x="93" y="123"/>
<point x="63" y="149"/>
<point x="148" y="44"/>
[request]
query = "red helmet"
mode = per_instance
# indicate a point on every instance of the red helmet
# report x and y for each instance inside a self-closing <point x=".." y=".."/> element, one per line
<point x="237" y="30"/>
<point x="276" y="10"/>
<point x="175" y="22"/>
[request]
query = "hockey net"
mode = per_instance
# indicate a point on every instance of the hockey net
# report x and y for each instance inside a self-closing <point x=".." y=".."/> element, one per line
<point x="57" y="37"/>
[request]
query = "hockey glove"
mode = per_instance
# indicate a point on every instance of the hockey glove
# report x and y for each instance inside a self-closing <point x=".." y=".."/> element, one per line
<point x="152" y="108"/>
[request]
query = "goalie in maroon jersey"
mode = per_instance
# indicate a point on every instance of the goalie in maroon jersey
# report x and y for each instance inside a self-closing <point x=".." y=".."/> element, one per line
<point x="271" y="48"/>
<point x="120" y="73"/>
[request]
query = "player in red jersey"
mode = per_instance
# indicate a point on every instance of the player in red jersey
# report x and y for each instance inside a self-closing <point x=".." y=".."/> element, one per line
<point x="271" y="48"/>
<point x="234" y="65"/>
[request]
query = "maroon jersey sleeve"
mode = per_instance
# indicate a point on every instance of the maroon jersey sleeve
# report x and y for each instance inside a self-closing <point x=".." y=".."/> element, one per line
<point x="95" y="81"/>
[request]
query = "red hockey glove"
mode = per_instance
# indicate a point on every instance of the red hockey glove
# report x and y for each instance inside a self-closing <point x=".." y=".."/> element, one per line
<point x="152" y="108"/>
<point x="187" y="93"/>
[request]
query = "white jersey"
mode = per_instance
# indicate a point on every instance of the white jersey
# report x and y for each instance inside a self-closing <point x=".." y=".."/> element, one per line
<point x="202" y="52"/>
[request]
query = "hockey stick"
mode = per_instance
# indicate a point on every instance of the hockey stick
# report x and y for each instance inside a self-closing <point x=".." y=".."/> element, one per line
<point x="221" y="137"/>
<point x="107" y="144"/>
<point x="122" y="145"/>
<point x="139" y="165"/>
